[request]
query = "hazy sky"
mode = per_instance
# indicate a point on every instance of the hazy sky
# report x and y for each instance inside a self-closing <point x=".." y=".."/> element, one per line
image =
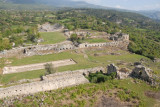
<point x="128" y="4"/>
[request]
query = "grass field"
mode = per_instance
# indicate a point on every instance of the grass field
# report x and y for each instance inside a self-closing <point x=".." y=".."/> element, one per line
<point x="52" y="37"/>
<point x="82" y="63"/>
<point x="140" y="88"/>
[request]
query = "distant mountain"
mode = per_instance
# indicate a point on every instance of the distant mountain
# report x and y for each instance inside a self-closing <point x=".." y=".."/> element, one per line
<point x="154" y="14"/>
<point x="56" y="3"/>
<point x="21" y="1"/>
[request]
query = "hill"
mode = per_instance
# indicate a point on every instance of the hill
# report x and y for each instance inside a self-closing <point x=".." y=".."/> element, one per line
<point x="48" y="3"/>
<point x="151" y="14"/>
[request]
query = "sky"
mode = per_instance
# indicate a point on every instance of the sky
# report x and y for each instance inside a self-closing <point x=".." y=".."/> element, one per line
<point x="128" y="4"/>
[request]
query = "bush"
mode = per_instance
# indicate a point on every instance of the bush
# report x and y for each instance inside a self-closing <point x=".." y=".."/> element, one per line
<point x="49" y="69"/>
<point x="100" y="77"/>
<point x="94" y="80"/>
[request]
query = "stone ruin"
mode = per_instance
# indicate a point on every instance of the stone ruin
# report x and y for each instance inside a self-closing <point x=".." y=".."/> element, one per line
<point x="72" y="78"/>
<point x="120" y="73"/>
<point x="121" y="43"/>
<point x="143" y="73"/>
<point x="118" y="44"/>
<point x="157" y="60"/>
<point x="32" y="67"/>
<point x="140" y="72"/>
<point x="38" y="49"/>
<point x="59" y="47"/>
<point x="78" y="33"/>
<point x="47" y="27"/>
<point x="50" y="82"/>
<point x="119" y="37"/>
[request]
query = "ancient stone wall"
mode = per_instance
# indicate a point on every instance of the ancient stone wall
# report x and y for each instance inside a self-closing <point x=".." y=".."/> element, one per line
<point x="31" y="67"/>
<point x="112" y="68"/>
<point x="50" y="82"/>
<point x="38" y="49"/>
<point x="79" y="33"/>
<point x="47" y="27"/>
<point x="120" y="73"/>
<point x="119" y="37"/>
<point x="59" y="47"/>
<point x="143" y="73"/>
<point x="118" y="44"/>
<point x="157" y="60"/>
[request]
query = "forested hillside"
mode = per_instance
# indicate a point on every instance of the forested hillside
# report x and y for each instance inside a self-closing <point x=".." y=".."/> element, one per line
<point x="18" y="26"/>
<point x="152" y="14"/>
<point x="43" y="4"/>
<point x="144" y="32"/>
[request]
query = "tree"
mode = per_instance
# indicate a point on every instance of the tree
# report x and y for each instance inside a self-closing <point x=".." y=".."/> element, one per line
<point x="49" y="68"/>
<point x="74" y="37"/>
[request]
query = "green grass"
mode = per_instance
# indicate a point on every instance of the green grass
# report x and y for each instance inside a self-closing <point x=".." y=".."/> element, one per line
<point x="19" y="76"/>
<point x="140" y="88"/>
<point x="115" y="58"/>
<point x="99" y="40"/>
<point x="82" y="63"/>
<point x="52" y="37"/>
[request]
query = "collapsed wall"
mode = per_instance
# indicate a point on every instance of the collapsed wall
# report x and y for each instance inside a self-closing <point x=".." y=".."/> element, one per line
<point x="32" y="67"/>
<point x="143" y="73"/>
<point x="120" y="73"/>
<point x="50" y="82"/>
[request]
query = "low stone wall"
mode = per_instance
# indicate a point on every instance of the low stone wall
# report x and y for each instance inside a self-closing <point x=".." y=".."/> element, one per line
<point x="38" y="49"/>
<point x="59" y="47"/>
<point x="118" y="44"/>
<point x="50" y="82"/>
<point x="31" y="67"/>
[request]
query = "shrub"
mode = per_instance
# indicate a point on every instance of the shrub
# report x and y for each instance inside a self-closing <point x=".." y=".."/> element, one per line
<point x="94" y="80"/>
<point x="49" y="69"/>
<point x="100" y="77"/>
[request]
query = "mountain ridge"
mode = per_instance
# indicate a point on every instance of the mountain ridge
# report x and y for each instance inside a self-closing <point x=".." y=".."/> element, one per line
<point x="53" y="4"/>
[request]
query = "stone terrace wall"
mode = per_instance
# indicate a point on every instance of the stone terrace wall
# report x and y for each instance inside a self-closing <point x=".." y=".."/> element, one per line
<point x="118" y="44"/>
<point x="50" y="82"/>
<point x="59" y="47"/>
<point x="38" y="49"/>
<point x="31" y="67"/>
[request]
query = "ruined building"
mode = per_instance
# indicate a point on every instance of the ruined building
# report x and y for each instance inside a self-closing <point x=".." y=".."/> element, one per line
<point x="47" y="27"/>
<point x="143" y="73"/>
<point x="119" y="37"/>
